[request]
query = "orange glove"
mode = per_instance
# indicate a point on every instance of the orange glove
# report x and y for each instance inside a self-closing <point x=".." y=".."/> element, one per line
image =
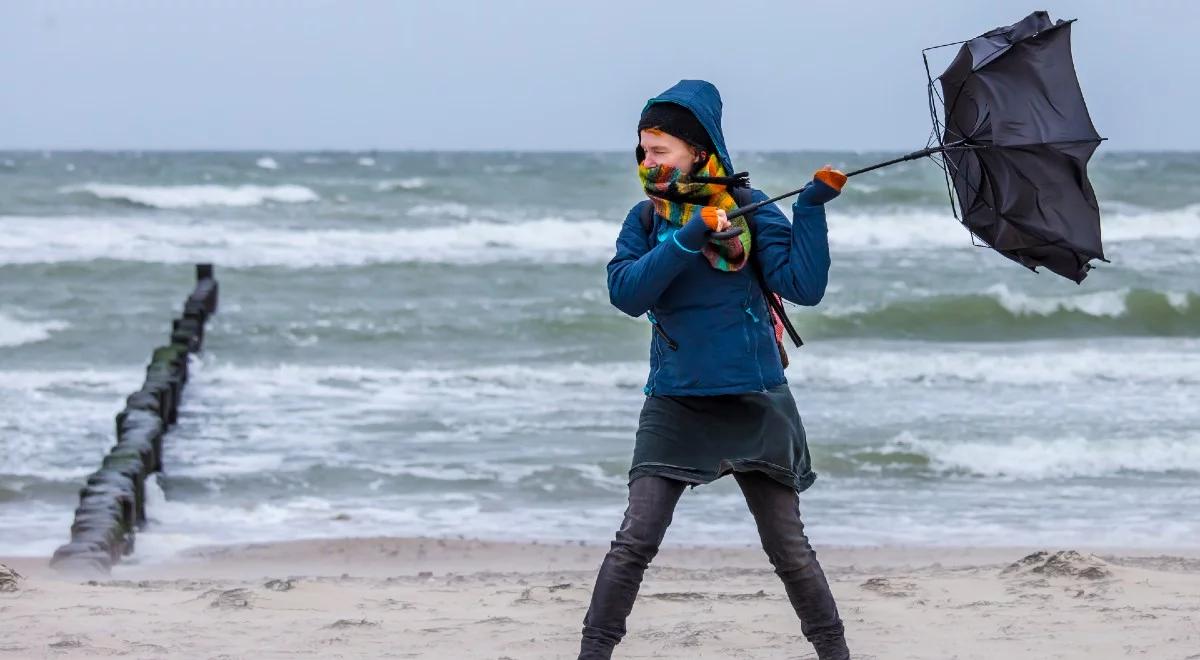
<point x="710" y="217"/>
<point x="833" y="178"/>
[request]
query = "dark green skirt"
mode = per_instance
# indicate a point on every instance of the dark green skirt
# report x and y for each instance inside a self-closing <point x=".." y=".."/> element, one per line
<point x="699" y="439"/>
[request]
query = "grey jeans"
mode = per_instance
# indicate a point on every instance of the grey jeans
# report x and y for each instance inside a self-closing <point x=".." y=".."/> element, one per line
<point x="776" y="511"/>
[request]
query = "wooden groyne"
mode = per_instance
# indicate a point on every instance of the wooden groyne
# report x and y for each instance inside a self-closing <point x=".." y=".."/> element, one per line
<point x="112" y="503"/>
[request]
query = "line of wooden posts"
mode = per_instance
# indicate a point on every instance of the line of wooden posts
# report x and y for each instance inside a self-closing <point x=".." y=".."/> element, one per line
<point x="112" y="503"/>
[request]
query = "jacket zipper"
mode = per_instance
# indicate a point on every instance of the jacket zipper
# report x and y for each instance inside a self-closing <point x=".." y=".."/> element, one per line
<point x="762" y="385"/>
<point x="654" y="341"/>
<point x="658" y="328"/>
<point x="654" y="376"/>
<point x="670" y="342"/>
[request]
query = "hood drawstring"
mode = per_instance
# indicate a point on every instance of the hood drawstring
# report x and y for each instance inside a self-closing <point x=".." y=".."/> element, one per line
<point x="739" y="180"/>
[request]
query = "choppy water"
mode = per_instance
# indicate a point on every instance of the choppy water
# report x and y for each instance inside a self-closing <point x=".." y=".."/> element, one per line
<point x="424" y="343"/>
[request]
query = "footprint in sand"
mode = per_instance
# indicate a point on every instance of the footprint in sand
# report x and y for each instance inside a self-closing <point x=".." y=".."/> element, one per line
<point x="280" y="585"/>
<point x="342" y="624"/>
<point x="232" y="599"/>
<point x="889" y="587"/>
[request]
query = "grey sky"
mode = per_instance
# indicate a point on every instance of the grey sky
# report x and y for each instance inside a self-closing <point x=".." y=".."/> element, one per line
<point x="543" y="74"/>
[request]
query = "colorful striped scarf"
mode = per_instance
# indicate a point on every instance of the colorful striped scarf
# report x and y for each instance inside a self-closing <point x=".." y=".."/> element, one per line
<point x="680" y="200"/>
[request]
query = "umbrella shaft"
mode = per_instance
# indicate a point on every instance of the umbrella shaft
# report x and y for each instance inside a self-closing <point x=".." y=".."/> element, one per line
<point x="739" y="212"/>
<point x="913" y="156"/>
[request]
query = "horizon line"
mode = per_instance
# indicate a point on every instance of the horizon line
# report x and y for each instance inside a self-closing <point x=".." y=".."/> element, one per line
<point x="489" y="150"/>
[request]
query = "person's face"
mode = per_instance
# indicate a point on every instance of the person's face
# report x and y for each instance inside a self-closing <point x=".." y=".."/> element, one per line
<point x="664" y="149"/>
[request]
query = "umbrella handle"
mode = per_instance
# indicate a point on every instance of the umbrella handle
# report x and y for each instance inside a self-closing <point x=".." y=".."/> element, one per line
<point x="728" y="233"/>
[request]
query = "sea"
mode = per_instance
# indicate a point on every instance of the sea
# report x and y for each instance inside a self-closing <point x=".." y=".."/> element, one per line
<point x="422" y="344"/>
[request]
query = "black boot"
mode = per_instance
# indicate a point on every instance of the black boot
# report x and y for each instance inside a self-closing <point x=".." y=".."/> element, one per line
<point x="830" y="643"/>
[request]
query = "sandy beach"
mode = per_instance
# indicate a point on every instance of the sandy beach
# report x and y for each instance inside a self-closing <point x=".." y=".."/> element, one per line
<point x="462" y="598"/>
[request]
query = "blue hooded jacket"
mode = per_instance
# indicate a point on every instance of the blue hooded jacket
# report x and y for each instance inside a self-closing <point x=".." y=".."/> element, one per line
<point x="719" y="320"/>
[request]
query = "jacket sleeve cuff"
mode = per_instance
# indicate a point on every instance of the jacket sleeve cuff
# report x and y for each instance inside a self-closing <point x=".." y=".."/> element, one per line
<point x="675" y="237"/>
<point x="817" y="192"/>
<point x="692" y="236"/>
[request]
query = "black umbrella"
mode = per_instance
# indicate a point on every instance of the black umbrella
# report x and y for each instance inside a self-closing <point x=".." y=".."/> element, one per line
<point x="1015" y="144"/>
<point x="1013" y="91"/>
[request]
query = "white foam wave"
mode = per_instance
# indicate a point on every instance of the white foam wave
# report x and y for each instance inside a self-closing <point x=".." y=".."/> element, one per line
<point x="192" y="196"/>
<point x="923" y="229"/>
<point x="1114" y="164"/>
<point x="951" y="365"/>
<point x="1181" y="223"/>
<point x="822" y="367"/>
<point x="481" y="236"/>
<point x="391" y="185"/>
<point x="15" y="332"/>
<point x="1026" y="457"/>
<point x="1112" y="303"/>
<point x="267" y="163"/>
<point x="472" y="381"/>
<point x="179" y="524"/>
<point x="446" y="210"/>
<point x="58" y="423"/>
<point x="1100" y="303"/>
<point x="1178" y="300"/>
<point x="64" y="239"/>
<point x="892" y="231"/>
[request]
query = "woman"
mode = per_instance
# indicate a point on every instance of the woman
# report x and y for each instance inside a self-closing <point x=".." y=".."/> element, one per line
<point x="716" y="401"/>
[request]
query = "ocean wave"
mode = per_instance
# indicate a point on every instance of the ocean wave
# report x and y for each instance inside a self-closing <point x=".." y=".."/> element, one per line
<point x="58" y="423"/>
<point x="820" y="368"/>
<point x="193" y="196"/>
<point x="28" y="240"/>
<point x="985" y="365"/>
<point x="470" y="381"/>
<point x="267" y="163"/>
<point x="998" y="314"/>
<point x="903" y="229"/>
<point x="1026" y="457"/>
<point x="455" y="210"/>
<point x="16" y="332"/>
<point x="394" y="185"/>
<point x="462" y="233"/>
<point x="182" y="523"/>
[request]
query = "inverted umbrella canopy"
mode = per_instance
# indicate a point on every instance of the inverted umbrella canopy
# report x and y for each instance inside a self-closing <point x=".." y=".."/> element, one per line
<point x="1011" y="96"/>
<point x="1015" y="144"/>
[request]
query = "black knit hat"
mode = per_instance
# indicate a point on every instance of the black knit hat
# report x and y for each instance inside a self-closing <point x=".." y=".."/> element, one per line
<point x="674" y="119"/>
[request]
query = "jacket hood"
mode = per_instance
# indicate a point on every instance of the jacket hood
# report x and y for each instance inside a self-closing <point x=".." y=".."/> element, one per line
<point x="704" y="101"/>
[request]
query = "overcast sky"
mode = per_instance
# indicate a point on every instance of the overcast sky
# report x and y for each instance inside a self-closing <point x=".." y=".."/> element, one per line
<point x="253" y="74"/>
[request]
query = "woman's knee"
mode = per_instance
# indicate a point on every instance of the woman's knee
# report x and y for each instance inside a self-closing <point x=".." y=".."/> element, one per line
<point x="651" y="507"/>
<point x="776" y="513"/>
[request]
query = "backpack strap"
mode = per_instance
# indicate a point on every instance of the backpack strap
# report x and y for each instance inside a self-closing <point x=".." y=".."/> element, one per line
<point x="744" y="197"/>
<point x="647" y="218"/>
